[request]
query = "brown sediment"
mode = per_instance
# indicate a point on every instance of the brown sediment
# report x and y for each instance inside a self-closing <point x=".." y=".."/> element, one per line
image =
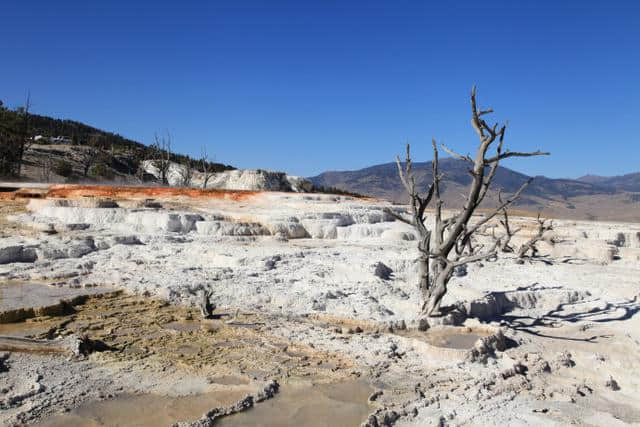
<point x="444" y="337"/>
<point x="157" y="335"/>
<point x="149" y="410"/>
<point x="43" y="305"/>
<point x="453" y="337"/>
<point x="139" y="328"/>
<point x="346" y="322"/>
<point x="25" y="328"/>
<point x="8" y="207"/>
<point x="312" y="405"/>
<point x="336" y="404"/>
<point x="60" y="308"/>
<point x="26" y="345"/>
<point x="71" y="191"/>
<point x="20" y="314"/>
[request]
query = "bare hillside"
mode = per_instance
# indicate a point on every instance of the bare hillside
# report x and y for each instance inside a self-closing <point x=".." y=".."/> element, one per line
<point x="613" y="199"/>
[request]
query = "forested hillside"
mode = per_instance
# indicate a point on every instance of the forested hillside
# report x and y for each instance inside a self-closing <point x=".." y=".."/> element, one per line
<point x="23" y="135"/>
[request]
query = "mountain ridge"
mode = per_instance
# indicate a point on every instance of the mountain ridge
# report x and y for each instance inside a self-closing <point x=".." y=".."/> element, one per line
<point x="607" y="198"/>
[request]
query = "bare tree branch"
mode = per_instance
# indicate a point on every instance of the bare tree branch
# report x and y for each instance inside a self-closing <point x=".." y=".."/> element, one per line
<point x="477" y="257"/>
<point x="398" y="217"/>
<point x="503" y="205"/>
<point x="515" y="154"/>
<point x="456" y="155"/>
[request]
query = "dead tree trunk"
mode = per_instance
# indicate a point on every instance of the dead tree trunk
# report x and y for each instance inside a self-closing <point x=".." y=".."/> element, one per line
<point x="206" y="306"/>
<point x="25" y="138"/>
<point x="162" y="156"/>
<point x="207" y="171"/>
<point x="45" y="169"/>
<point x="186" y="174"/>
<point x="443" y="248"/>
<point x="89" y="156"/>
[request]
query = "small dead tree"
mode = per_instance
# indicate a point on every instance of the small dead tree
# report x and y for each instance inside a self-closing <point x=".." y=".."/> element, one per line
<point x="45" y="169"/>
<point x="207" y="170"/>
<point x="25" y="138"/>
<point x="530" y="245"/>
<point x="162" y="156"/>
<point x="132" y="157"/>
<point x="505" y="239"/>
<point x="186" y="174"/>
<point x="206" y="306"/>
<point x="90" y="155"/>
<point x="442" y="248"/>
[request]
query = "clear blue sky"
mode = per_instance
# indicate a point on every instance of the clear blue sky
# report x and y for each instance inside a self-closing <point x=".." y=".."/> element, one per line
<point x="307" y="86"/>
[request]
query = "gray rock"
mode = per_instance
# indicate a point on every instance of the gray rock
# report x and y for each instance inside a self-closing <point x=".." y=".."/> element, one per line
<point x="330" y="295"/>
<point x="281" y="236"/>
<point x="270" y="262"/>
<point x="149" y="204"/>
<point x="319" y="306"/>
<point x="375" y="396"/>
<point x="397" y="325"/>
<point x="127" y="240"/>
<point x="47" y="228"/>
<point x="75" y="226"/>
<point x="460" y="271"/>
<point x="11" y="254"/>
<point x="3" y="365"/>
<point x="382" y="271"/>
<point x="612" y="384"/>
<point x="83" y="346"/>
<point x="517" y="369"/>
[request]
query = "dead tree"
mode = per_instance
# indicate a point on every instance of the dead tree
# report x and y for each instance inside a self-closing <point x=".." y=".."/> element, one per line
<point x="207" y="170"/>
<point x="90" y="155"/>
<point x="508" y="231"/>
<point x="442" y="248"/>
<point x="186" y="174"/>
<point x="530" y="245"/>
<point x="162" y="156"/>
<point x="45" y="169"/>
<point x="25" y="139"/>
<point x="132" y="161"/>
<point x="206" y="306"/>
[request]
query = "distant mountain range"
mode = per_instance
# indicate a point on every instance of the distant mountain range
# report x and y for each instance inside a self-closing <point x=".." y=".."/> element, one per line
<point x="628" y="182"/>
<point x="589" y="197"/>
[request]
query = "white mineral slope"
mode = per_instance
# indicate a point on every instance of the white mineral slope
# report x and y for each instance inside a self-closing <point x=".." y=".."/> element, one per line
<point x="288" y="251"/>
<point x="238" y="179"/>
<point x="293" y="254"/>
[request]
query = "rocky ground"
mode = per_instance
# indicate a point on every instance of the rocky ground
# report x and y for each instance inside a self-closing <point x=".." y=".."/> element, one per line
<point x="302" y="298"/>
